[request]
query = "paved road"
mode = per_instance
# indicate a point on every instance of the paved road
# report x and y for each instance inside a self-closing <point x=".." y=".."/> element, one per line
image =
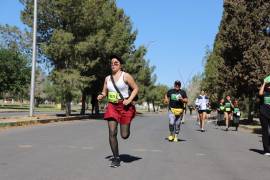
<point x="79" y="150"/>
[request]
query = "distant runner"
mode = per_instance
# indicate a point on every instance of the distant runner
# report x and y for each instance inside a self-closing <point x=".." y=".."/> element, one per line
<point x="228" y="111"/>
<point x="236" y="114"/>
<point x="202" y="102"/>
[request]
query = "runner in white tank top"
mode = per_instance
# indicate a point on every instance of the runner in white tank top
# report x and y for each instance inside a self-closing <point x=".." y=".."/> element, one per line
<point x="119" y="110"/>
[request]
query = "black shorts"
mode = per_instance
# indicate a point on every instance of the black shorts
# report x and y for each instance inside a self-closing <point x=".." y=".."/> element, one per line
<point x="201" y="111"/>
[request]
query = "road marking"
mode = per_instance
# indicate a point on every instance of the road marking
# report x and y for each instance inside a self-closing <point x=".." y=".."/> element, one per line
<point x="147" y="150"/>
<point x="156" y="150"/>
<point x="140" y="150"/>
<point x="25" y="146"/>
<point x="87" y="148"/>
<point x="200" y="154"/>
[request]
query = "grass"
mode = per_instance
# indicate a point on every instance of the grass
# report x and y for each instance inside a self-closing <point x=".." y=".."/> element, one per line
<point x="41" y="108"/>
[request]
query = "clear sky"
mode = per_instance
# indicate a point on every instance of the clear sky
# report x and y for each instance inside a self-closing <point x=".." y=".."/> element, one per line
<point x="176" y="32"/>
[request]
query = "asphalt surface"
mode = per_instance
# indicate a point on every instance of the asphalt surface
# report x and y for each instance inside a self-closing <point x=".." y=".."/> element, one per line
<point x="79" y="150"/>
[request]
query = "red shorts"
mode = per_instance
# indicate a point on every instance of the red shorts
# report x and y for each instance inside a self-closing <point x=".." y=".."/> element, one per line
<point x="119" y="112"/>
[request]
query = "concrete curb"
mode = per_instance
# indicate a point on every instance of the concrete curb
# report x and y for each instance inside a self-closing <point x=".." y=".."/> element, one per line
<point x="5" y="124"/>
<point x="254" y="128"/>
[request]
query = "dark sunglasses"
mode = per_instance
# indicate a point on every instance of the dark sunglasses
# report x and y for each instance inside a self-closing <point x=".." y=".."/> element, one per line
<point x="115" y="63"/>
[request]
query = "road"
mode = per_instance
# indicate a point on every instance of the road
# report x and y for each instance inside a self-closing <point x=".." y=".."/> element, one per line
<point x="79" y="150"/>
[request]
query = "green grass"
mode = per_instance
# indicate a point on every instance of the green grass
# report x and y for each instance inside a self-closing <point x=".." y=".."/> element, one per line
<point x="41" y="108"/>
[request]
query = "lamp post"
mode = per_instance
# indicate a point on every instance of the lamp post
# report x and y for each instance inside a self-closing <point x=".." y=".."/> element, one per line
<point x="32" y="93"/>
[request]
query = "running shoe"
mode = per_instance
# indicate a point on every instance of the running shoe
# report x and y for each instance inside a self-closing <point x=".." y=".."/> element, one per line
<point x="115" y="162"/>
<point x="175" y="139"/>
<point x="267" y="154"/>
<point x="170" y="137"/>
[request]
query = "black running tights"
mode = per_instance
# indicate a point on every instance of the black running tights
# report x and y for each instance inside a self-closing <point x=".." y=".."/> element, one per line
<point x="125" y="132"/>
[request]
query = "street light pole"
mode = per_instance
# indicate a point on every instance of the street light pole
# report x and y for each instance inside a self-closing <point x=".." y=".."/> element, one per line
<point x="32" y="94"/>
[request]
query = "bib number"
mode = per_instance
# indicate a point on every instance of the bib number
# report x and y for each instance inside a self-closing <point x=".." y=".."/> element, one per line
<point x="113" y="97"/>
<point x="266" y="100"/>
<point x="176" y="111"/>
<point x="175" y="97"/>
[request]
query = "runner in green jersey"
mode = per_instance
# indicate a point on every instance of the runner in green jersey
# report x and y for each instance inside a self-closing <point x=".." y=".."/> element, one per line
<point x="265" y="115"/>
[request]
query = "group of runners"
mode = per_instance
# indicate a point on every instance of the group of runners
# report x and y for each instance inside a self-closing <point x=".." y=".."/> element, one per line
<point x="121" y="90"/>
<point x="229" y="111"/>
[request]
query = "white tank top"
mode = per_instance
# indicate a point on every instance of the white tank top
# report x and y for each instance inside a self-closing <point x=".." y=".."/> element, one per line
<point x="121" y="85"/>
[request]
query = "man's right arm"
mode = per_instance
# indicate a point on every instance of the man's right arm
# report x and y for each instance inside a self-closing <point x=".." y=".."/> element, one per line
<point x="166" y="99"/>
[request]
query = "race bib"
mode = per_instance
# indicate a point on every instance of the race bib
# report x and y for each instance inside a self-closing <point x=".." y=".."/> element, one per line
<point x="174" y="97"/>
<point x="222" y="108"/>
<point x="227" y="109"/>
<point x="266" y="100"/>
<point x="113" y="97"/>
<point x="177" y="111"/>
<point x="238" y="114"/>
<point x="235" y="110"/>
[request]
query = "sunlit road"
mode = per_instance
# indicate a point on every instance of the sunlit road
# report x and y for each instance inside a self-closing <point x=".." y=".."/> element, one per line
<point x="79" y="150"/>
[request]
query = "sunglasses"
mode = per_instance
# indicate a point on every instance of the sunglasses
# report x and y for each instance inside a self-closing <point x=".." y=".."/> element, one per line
<point x="115" y="63"/>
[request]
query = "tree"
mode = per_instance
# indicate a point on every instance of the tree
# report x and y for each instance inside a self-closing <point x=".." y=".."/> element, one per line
<point x="194" y="87"/>
<point x="80" y="36"/>
<point x="40" y="95"/>
<point x="11" y="37"/>
<point x="142" y="72"/>
<point x="241" y="48"/>
<point x="14" y="74"/>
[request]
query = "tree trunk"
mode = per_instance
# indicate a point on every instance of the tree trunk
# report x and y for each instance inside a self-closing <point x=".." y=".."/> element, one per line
<point x="148" y="106"/>
<point x="68" y="104"/>
<point x="251" y="108"/>
<point x="63" y="105"/>
<point x="154" y="109"/>
<point x="83" y="103"/>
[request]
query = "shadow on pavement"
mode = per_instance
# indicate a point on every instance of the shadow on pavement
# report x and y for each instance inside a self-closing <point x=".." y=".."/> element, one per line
<point x="257" y="151"/>
<point x="91" y="116"/>
<point x="179" y="140"/>
<point x="257" y="130"/>
<point x="126" y="158"/>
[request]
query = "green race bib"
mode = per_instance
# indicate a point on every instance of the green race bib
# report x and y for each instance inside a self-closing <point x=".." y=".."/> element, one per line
<point x="174" y="97"/>
<point x="227" y="109"/>
<point x="235" y="110"/>
<point x="113" y="97"/>
<point x="266" y="100"/>
<point x="228" y="106"/>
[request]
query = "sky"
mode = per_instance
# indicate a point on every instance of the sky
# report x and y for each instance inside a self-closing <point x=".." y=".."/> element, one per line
<point x="176" y="32"/>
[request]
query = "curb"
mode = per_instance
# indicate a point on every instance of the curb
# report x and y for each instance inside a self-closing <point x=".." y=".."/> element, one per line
<point x="41" y="121"/>
<point x="254" y="128"/>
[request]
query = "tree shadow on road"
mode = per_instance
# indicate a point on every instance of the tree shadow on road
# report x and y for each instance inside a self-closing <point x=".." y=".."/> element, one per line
<point x="90" y="116"/>
<point x="126" y="158"/>
<point x="257" y="151"/>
